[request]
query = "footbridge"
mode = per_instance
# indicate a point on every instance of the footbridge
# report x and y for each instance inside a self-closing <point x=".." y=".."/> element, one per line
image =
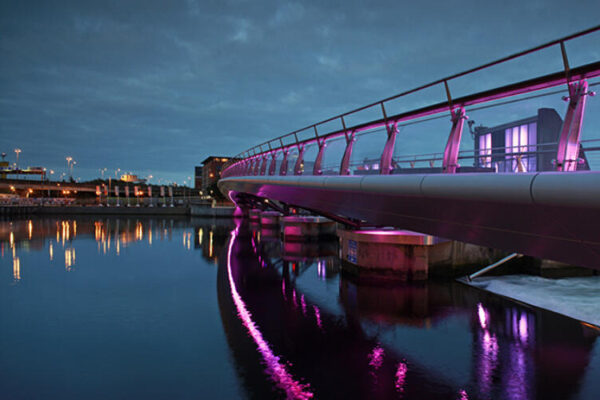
<point x="528" y="179"/>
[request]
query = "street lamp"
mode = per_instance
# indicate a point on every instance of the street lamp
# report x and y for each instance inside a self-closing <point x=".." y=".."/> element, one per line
<point x="69" y="158"/>
<point x="72" y="165"/>
<point x="18" y="151"/>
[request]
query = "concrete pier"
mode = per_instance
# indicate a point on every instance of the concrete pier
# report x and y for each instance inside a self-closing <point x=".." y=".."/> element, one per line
<point x="270" y="218"/>
<point x="302" y="228"/>
<point x="393" y="254"/>
<point x="405" y="255"/>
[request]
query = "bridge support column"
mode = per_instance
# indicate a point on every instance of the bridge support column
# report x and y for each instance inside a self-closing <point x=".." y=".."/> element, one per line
<point x="388" y="150"/>
<point x="345" y="164"/>
<point x="386" y="254"/>
<point x="299" y="167"/>
<point x="568" y="144"/>
<point x="450" y="163"/>
<point x="317" y="170"/>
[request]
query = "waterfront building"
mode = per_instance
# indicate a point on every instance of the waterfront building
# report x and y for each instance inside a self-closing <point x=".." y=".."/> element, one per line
<point x="525" y="145"/>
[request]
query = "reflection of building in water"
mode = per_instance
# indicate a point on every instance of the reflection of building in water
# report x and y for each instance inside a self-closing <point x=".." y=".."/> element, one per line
<point x="16" y="269"/>
<point x="211" y="239"/>
<point x="69" y="258"/>
<point x="514" y="359"/>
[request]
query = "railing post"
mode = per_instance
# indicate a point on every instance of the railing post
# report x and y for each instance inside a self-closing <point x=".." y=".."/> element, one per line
<point x="273" y="164"/>
<point x="256" y="166"/>
<point x="319" y="160"/>
<point x="248" y="167"/>
<point x="388" y="150"/>
<point x="284" y="163"/>
<point x="345" y="164"/>
<point x="263" y="165"/>
<point x="568" y="143"/>
<point x="299" y="167"/>
<point x="450" y="162"/>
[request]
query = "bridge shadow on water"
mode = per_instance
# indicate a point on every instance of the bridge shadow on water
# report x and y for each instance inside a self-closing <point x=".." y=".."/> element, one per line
<point x="290" y="339"/>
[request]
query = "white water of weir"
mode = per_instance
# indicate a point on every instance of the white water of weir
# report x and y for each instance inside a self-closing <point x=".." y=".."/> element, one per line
<point x="577" y="298"/>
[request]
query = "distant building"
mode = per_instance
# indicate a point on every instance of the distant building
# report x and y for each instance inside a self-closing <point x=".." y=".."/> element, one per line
<point x="198" y="177"/>
<point x="525" y="145"/>
<point x="130" y="178"/>
<point x="211" y="171"/>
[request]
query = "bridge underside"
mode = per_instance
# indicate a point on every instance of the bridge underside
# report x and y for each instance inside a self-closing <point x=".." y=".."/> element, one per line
<point x="547" y="215"/>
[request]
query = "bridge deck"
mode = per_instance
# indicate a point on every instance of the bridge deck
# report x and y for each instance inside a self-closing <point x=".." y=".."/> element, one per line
<point x="548" y="215"/>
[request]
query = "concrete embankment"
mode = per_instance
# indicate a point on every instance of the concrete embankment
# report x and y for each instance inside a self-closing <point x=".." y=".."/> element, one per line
<point x="193" y="210"/>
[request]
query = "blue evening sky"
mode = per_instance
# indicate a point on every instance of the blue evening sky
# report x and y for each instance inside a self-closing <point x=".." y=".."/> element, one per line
<point x="154" y="87"/>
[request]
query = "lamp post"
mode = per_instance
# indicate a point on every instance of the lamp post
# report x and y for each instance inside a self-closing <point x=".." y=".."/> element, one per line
<point x="69" y="159"/>
<point x="17" y="151"/>
<point x="72" y="165"/>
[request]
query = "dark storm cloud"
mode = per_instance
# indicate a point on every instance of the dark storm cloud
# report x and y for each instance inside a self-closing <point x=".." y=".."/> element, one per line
<point x="156" y="86"/>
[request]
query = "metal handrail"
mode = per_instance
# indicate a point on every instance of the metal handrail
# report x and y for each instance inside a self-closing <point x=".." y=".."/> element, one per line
<point x="546" y="81"/>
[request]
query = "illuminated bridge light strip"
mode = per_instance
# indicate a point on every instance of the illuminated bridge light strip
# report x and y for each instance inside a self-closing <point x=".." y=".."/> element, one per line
<point x="282" y="378"/>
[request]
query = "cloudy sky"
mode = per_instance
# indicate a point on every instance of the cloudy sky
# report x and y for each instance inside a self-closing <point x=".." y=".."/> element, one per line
<point x="154" y="87"/>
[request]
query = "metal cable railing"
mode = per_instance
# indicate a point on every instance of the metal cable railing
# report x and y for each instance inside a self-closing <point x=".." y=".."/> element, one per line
<point x="267" y="158"/>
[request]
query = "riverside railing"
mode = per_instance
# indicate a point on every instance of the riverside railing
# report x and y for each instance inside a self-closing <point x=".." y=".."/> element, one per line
<point x="287" y="154"/>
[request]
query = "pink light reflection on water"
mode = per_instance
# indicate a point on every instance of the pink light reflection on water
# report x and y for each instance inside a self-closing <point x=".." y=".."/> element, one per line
<point x="523" y="328"/>
<point x="318" y="316"/>
<point x="488" y="361"/>
<point x="376" y="357"/>
<point x="278" y="372"/>
<point x="401" y="376"/>
<point x="283" y="289"/>
<point x="482" y="314"/>
<point x="463" y="395"/>
<point x="303" y="304"/>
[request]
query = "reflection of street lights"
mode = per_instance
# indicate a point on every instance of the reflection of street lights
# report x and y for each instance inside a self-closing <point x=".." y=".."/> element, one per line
<point x="18" y="151"/>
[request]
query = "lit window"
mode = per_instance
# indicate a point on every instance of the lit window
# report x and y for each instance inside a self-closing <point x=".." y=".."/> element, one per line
<point x="485" y="150"/>
<point x="520" y="144"/>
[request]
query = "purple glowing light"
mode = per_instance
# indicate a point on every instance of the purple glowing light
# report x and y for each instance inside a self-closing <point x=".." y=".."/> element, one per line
<point x="278" y="372"/>
<point x="318" y="316"/>
<point x="463" y="395"/>
<point x="400" y="377"/>
<point x="482" y="314"/>
<point x="523" y="328"/>
<point x="303" y="304"/>
<point x="283" y="289"/>
<point x="376" y="357"/>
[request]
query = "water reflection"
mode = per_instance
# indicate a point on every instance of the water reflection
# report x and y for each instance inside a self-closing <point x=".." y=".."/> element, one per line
<point x="110" y="234"/>
<point x="411" y="341"/>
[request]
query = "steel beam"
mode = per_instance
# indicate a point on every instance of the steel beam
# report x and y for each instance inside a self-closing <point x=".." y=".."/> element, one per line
<point x="317" y="170"/>
<point x="450" y="162"/>
<point x="273" y="164"/>
<point x="299" y="167"/>
<point x="388" y="150"/>
<point x="284" y="163"/>
<point x="568" y="144"/>
<point x="345" y="164"/>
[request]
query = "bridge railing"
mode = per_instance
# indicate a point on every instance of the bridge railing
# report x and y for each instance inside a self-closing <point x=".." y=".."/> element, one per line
<point x="337" y="151"/>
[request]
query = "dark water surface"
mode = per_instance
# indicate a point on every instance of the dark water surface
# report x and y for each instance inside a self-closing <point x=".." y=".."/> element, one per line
<point x="117" y="308"/>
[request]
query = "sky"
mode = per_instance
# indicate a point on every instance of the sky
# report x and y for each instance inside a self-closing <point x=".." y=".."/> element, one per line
<point x="155" y="87"/>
